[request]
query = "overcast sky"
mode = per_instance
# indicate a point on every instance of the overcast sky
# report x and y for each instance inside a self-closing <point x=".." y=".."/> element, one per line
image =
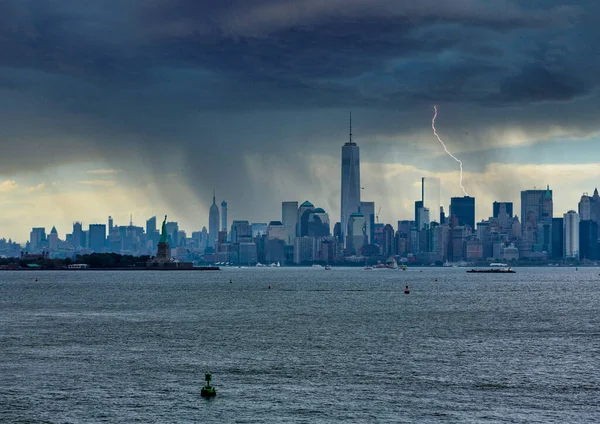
<point x="112" y="107"/>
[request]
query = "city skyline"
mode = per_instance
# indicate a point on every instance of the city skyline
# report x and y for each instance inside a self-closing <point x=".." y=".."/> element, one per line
<point x="482" y="211"/>
<point x="374" y="209"/>
<point x="404" y="211"/>
<point x="307" y="235"/>
<point x="149" y="112"/>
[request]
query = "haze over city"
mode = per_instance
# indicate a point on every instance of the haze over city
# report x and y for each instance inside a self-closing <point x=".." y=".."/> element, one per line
<point x="127" y="108"/>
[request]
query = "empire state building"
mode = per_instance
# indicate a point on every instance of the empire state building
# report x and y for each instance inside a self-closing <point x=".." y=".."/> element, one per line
<point x="213" y="223"/>
<point x="350" y="182"/>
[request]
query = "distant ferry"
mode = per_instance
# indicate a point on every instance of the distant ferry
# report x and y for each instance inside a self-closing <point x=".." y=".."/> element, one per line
<point x="495" y="268"/>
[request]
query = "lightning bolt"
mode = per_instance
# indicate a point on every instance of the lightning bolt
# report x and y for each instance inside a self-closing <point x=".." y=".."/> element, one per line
<point x="450" y="154"/>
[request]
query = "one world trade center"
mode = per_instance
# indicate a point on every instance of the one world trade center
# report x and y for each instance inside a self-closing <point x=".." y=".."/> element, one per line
<point x="350" y="182"/>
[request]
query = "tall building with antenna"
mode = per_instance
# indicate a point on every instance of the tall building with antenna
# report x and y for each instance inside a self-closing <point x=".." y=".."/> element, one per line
<point x="213" y="223"/>
<point x="350" y="182"/>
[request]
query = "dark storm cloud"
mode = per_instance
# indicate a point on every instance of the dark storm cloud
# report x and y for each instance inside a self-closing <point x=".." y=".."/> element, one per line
<point x="213" y="89"/>
<point x="535" y="83"/>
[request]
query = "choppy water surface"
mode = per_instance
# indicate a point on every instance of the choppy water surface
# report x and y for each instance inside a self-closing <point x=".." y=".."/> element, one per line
<point x="319" y="346"/>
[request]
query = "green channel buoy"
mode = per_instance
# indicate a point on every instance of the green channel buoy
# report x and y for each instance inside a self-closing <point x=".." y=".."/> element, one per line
<point x="208" y="390"/>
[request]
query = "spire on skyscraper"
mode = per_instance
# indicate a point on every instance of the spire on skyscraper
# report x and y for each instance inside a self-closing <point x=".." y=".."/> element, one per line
<point x="350" y="126"/>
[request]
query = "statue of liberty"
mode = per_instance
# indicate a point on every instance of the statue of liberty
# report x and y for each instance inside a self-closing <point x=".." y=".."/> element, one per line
<point x="164" y="238"/>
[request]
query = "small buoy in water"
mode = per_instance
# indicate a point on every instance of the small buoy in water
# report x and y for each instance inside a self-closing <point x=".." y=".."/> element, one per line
<point x="36" y="279"/>
<point x="229" y="281"/>
<point x="208" y="390"/>
<point x="406" y="290"/>
<point x="435" y="279"/>
<point x="269" y="286"/>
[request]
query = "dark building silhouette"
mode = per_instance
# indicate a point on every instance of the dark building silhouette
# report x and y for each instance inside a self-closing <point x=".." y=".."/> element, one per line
<point x="463" y="208"/>
<point x="337" y="230"/>
<point x="588" y="240"/>
<point x="418" y="206"/>
<point x="318" y="223"/>
<point x="557" y="238"/>
<point x="503" y="207"/>
<point x="388" y="241"/>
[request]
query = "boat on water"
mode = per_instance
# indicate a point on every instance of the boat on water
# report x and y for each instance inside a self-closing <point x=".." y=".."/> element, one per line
<point x="493" y="271"/>
<point x="391" y="263"/>
<point x="209" y="268"/>
<point x="495" y="268"/>
<point x="328" y="267"/>
<point x="367" y="267"/>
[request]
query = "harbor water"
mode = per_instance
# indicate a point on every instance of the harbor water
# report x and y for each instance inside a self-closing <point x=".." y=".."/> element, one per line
<point x="319" y="346"/>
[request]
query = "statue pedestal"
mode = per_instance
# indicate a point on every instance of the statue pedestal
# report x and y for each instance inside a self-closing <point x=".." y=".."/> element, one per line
<point x="164" y="251"/>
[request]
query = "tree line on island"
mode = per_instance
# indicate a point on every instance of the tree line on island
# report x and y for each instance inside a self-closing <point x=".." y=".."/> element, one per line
<point x="93" y="260"/>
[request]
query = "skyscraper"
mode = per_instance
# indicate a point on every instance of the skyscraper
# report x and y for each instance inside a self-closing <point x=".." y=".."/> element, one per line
<point x="289" y="217"/>
<point x="318" y="223"/>
<point x="259" y="229"/>
<point x="356" y="233"/>
<point x="588" y="239"/>
<point x="536" y="217"/>
<point x="571" y="235"/>
<point x="241" y="231"/>
<point x="350" y="181"/>
<point x="172" y="233"/>
<point x="36" y="237"/>
<point x="418" y="207"/>
<point x="97" y="236"/>
<point x="501" y="208"/>
<point x="424" y="219"/>
<point x="213" y="223"/>
<point x="463" y="208"/>
<point x="150" y="225"/>
<point x="368" y="210"/>
<point x="223" y="215"/>
<point x="303" y="213"/>
<point x="78" y="238"/>
<point x="53" y="239"/>
<point x="430" y="196"/>
<point x="585" y="207"/>
<point x="557" y="238"/>
<point x="535" y="205"/>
